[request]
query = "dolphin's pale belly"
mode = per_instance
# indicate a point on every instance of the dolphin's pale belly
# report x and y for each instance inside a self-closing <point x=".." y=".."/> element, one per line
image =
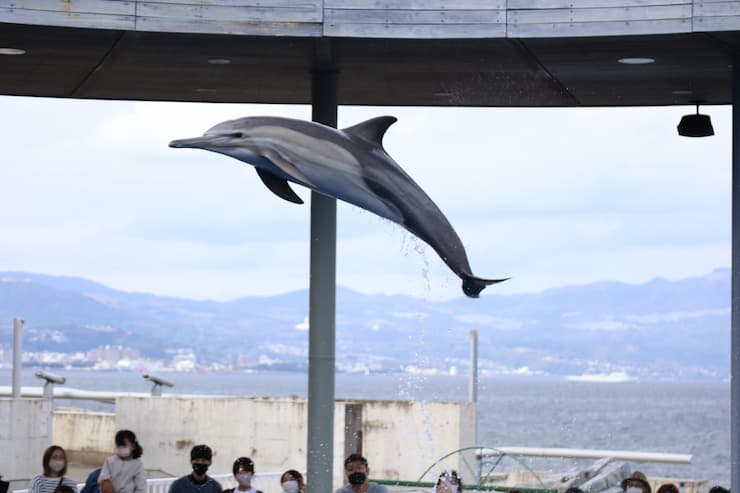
<point x="342" y="180"/>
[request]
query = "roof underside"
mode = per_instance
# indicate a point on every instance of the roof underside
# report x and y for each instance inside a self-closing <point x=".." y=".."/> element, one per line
<point x="112" y="64"/>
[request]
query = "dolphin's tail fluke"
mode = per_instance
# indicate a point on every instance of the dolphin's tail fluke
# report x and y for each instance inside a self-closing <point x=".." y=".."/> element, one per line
<point x="472" y="286"/>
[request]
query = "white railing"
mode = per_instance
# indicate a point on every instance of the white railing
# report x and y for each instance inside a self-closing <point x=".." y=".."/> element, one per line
<point x="657" y="457"/>
<point x="267" y="482"/>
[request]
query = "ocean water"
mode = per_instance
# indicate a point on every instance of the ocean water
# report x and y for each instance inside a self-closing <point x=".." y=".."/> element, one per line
<point x="673" y="417"/>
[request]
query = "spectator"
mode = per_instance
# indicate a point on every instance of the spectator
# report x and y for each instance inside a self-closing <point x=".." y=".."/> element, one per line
<point x="668" y="488"/>
<point x="718" y="489"/>
<point x="449" y="482"/>
<point x="198" y="481"/>
<point x="54" y="463"/>
<point x="292" y="482"/>
<point x="636" y="483"/>
<point x="124" y="471"/>
<point x="356" y="469"/>
<point x="243" y="470"/>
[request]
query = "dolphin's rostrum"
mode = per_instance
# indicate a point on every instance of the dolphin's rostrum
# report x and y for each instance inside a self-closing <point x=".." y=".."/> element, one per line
<point x="349" y="165"/>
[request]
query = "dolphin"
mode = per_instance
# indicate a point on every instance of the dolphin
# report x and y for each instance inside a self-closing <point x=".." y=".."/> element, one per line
<point x="350" y="165"/>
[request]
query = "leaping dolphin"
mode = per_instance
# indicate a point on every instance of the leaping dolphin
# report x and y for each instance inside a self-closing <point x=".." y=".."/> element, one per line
<point x="349" y="165"/>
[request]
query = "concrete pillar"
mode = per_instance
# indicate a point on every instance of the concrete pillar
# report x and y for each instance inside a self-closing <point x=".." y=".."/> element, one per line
<point x="322" y="295"/>
<point x="352" y="429"/>
<point x="25" y="432"/>
<point x="735" y="324"/>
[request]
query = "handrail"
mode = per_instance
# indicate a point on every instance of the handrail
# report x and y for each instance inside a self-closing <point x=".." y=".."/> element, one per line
<point x="107" y="397"/>
<point x="657" y="457"/>
<point x="267" y="482"/>
<point x="468" y="487"/>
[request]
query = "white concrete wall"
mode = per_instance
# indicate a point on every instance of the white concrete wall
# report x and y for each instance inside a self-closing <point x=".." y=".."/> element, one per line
<point x="86" y="436"/>
<point x="25" y="432"/>
<point x="400" y="439"/>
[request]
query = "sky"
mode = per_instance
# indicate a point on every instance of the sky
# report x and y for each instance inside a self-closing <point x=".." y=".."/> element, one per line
<point x="548" y="197"/>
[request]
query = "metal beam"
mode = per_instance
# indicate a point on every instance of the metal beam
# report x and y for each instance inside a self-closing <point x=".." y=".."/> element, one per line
<point x="735" y="329"/>
<point x="657" y="457"/>
<point x="322" y="296"/>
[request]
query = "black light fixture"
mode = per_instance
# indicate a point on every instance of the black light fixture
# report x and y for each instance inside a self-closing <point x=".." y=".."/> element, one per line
<point x="695" y="125"/>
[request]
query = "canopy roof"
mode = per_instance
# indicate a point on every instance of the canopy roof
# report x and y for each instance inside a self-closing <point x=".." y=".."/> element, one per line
<point x="563" y="71"/>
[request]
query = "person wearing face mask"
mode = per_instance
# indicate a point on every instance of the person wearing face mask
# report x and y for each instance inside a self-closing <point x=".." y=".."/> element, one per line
<point x="449" y="482"/>
<point x="54" y="463"/>
<point x="198" y="481"/>
<point x="356" y="470"/>
<point x="243" y="470"/>
<point x="123" y="472"/>
<point x="292" y="482"/>
<point x="636" y="483"/>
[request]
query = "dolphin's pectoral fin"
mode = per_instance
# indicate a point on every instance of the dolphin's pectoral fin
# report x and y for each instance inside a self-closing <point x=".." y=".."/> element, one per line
<point x="472" y="286"/>
<point x="287" y="167"/>
<point x="278" y="186"/>
<point x="372" y="130"/>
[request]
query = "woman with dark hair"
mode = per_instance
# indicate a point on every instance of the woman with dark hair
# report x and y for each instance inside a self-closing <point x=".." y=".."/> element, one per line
<point x="54" y="463"/>
<point x="243" y="470"/>
<point x="124" y="471"/>
<point x="292" y="482"/>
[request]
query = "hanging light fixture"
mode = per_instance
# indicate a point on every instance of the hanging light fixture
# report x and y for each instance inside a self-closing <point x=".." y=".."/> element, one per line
<point x="695" y="125"/>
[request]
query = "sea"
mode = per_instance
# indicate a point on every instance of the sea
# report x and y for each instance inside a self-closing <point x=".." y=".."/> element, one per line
<point x="533" y="411"/>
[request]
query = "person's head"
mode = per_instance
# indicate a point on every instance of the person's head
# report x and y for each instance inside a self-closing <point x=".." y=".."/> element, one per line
<point x="718" y="489"/>
<point x="668" y="488"/>
<point x="200" y="458"/>
<point x="126" y="445"/>
<point x="292" y="481"/>
<point x="636" y="483"/>
<point x="449" y="482"/>
<point x="356" y="469"/>
<point x="55" y="461"/>
<point x="243" y="470"/>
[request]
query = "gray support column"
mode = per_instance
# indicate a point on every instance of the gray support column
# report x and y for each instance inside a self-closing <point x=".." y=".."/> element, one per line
<point x="322" y="302"/>
<point x="735" y="331"/>
<point x="17" y="356"/>
<point x="473" y="388"/>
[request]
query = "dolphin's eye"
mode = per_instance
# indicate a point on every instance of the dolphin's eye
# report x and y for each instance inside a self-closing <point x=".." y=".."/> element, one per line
<point x="235" y="135"/>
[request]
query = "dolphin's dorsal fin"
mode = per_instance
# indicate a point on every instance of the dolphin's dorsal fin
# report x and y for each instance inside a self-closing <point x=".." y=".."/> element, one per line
<point x="278" y="186"/>
<point x="372" y="130"/>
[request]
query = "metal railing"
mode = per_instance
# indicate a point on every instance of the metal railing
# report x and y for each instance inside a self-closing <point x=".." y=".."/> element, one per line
<point x="267" y="482"/>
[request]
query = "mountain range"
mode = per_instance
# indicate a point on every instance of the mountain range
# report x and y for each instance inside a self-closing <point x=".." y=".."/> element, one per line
<point x="661" y="328"/>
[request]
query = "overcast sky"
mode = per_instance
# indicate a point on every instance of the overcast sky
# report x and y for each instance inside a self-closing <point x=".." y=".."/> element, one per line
<point x="550" y="197"/>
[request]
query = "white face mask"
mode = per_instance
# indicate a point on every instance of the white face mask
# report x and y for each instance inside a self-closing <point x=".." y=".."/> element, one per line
<point x="244" y="479"/>
<point x="123" y="452"/>
<point x="633" y="489"/>
<point x="290" y="486"/>
<point x="56" y="465"/>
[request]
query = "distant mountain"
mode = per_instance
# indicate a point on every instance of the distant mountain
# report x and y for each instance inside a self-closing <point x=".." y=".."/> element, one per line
<point x="659" y="329"/>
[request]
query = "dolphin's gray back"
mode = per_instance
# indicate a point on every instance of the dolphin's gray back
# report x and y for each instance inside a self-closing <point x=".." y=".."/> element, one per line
<point x="352" y="166"/>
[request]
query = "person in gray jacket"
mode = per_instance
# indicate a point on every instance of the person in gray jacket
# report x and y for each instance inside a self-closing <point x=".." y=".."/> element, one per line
<point x="356" y="470"/>
<point x="198" y="481"/>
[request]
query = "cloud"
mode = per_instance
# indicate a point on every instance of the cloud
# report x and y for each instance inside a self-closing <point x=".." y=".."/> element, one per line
<point x="655" y="318"/>
<point x="491" y="321"/>
<point x="548" y="196"/>
<point x="601" y="325"/>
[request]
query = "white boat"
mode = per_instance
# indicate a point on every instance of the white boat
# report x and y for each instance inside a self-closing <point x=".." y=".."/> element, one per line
<point x="590" y="376"/>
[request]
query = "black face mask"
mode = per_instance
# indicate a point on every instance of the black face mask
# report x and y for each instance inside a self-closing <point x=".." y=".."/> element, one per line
<point x="200" y="469"/>
<point x="357" y="478"/>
